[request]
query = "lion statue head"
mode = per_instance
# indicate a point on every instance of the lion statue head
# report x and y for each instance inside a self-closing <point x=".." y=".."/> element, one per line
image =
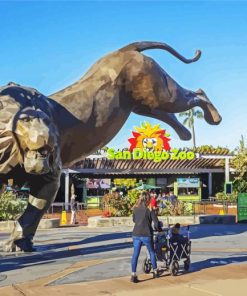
<point x="28" y="135"/>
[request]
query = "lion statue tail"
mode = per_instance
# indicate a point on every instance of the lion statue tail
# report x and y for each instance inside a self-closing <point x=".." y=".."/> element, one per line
<point x="145" y="45"/>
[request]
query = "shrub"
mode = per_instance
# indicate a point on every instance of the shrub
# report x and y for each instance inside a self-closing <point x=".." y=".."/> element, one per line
<point x="133" y="196"/>
<point x="222" y="196"/>
<point x="11" y="206"/>
<point x="179" y="208"/>
<point x="117" y="205"/>
<point x="120" y="206"/>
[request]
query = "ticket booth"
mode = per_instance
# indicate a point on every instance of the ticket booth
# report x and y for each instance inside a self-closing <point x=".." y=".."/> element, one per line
<point x="188" y="189"/>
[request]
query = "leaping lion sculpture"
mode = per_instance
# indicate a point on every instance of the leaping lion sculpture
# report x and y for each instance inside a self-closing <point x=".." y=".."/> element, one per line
<point x="39" y="134"/>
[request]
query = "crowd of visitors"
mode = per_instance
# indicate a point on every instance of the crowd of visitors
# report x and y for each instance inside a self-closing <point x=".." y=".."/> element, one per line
<point x="158" y="201"/>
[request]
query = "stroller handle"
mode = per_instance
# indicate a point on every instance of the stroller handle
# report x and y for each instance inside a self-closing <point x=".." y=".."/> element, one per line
<point x="188" y="232"/>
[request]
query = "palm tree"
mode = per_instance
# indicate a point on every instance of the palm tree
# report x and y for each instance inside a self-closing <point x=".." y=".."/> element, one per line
<point x="241" y="148"/>
<point x="189" y="120"/>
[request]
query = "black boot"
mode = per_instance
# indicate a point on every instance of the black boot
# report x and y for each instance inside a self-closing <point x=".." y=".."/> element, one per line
<point x="25" y="245"/>
<point x="134" y="279"/>
<point x="156" y="274"/>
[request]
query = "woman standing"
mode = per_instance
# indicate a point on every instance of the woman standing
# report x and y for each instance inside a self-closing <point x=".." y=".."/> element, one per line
<point x="73" y="206"/>
<point x="143" y="233"/>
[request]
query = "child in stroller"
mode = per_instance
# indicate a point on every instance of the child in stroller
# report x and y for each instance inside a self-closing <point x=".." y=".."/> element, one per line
<point x="180" y="248"/>
<point x="170" y="249"/>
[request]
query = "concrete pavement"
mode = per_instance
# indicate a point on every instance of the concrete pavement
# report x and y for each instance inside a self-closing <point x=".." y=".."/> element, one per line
<point x="218" y="281"/>
<point x="97" y="261"/>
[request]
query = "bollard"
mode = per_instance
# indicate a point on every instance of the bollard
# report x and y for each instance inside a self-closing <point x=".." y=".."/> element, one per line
<point x="64" y="218"/>
<point x="222" y="212"/>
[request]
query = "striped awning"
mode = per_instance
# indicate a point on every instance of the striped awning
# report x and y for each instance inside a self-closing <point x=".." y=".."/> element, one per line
<point x="102" y="165"/>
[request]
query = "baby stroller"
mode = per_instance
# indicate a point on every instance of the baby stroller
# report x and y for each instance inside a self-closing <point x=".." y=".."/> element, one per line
<point x="170" y="251"/>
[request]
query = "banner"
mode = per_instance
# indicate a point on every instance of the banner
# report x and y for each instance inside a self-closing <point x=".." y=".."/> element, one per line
<point x="98" y="183"/>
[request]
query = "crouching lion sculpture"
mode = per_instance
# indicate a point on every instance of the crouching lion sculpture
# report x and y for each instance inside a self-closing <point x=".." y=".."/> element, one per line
<point x="39" y="134"/>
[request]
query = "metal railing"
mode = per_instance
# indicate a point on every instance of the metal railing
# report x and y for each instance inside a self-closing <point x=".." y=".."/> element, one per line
<point x="58" y="207"/>
<point x="209" y="207"/>
<point x="198" y="207"/>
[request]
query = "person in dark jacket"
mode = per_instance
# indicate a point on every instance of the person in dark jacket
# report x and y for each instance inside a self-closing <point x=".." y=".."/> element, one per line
<point x="143" y="233"/>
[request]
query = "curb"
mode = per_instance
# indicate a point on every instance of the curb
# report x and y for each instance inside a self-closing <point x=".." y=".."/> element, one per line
<point x="127" y="221"/>
<point x="44" y="224"/>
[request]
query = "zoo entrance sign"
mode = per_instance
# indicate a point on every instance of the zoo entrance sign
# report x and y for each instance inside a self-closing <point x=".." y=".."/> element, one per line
<point x="152" y="143"/>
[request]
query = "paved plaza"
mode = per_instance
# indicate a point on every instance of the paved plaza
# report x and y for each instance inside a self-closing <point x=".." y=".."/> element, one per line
<point x="72" y="257"/>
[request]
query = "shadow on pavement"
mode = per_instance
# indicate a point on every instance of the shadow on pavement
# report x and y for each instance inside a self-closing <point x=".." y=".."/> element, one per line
<point x="12" y="263"/>
<point x="196" y="232"/>
<point x="214" y="262"/>
<point x="208" y="263"/>
<point x="209" y="230"/>
<point x="94" y="239"/>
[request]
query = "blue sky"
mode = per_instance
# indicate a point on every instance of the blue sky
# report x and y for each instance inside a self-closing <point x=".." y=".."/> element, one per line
<point x="49" y="45"/>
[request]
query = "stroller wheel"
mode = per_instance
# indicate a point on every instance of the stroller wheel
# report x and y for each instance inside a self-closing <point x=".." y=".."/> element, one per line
<point x="187" y="264"/>
<point x="174" y="268"/>
<point x="146" y="266"/>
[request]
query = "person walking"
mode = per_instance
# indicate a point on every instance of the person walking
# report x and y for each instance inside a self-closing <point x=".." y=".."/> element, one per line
<point x="143" y="233"/>
<point x="153" y="202"/>
<point x="73" y="207"/>
<point x="172" y="197"/>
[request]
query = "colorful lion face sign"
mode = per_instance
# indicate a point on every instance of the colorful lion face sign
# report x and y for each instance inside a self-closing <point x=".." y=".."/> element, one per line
<point x="150" y="138"/>
<point x="152" y="143"/>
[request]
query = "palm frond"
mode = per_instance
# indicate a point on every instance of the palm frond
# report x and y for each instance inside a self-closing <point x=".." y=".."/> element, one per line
<point x="198" y="114"/>
<point x="181" y="114"/>
<point x="186" y="121"/>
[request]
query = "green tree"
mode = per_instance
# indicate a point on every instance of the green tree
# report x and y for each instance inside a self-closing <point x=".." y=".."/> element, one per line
<point x="239" y="163"/>
<point x="128" y="183"/>
<point x="189" y="121"/>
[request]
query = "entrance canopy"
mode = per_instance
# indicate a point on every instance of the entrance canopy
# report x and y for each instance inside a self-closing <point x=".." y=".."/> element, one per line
<point x="96" y="165"/>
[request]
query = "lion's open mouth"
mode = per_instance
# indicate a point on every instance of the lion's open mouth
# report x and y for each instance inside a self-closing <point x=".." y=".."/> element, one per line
<point x="38" y="161"/>
<point x="44" y="151"/>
